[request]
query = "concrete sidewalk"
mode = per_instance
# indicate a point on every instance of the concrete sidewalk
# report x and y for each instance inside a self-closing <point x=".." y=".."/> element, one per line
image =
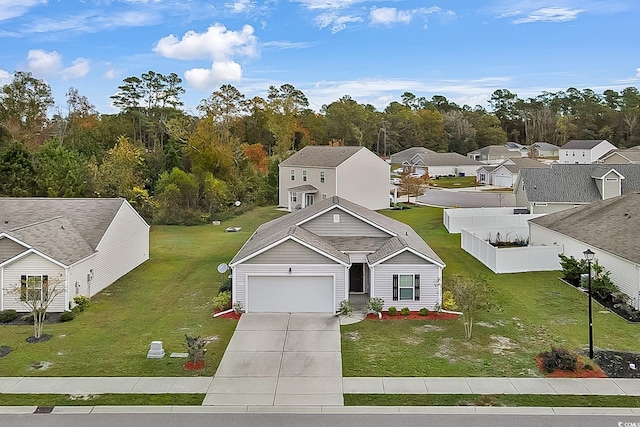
<point x="351" y="385"/>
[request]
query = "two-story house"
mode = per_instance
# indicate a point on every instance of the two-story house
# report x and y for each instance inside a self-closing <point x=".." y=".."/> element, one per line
<point x="318" y="172"/>
<point x="584" y="151"/>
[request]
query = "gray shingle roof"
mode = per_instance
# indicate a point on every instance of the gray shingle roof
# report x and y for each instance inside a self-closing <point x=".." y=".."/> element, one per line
<point x="631" y="154"/>
<point x="496" y="150"/>
<point x="582" y="144"/>
<point x="573" y="183"/>
<point x="290" y="224"/>
<point x="611" y="225"/>
<point x="321" y="156"/>
<point x="524" y="162"/>
<point x="406" y="155"/>
<point x="67" y="230"/>
<point x="448" y="159"/>
<point x="545" y="146"/>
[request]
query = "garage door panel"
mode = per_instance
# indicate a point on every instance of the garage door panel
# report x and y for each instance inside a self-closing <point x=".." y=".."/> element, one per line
<point x="285" y="294"/>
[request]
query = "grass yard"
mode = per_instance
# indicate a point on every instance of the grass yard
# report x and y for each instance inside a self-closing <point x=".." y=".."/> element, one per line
<point x="456" y="182"/>
<point x="181" y="399"/>
<point x="531" y="312"/>
<point x="163" y="299"/>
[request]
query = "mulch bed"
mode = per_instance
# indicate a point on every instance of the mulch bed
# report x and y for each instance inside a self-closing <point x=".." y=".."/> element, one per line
<point x="43" y="338"/>
<point x="230" y="315"/>
<point x="618" y="364"/>
<point x="581" y="372"/>
<point x="433" y="315"/>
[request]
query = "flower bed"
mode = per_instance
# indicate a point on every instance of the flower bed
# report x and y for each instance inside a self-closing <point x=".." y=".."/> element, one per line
<point x="581" y="372"/>
<point x="414" y="315"/>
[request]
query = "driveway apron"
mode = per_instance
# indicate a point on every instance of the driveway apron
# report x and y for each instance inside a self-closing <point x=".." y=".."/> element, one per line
<point x="280" y="359"/>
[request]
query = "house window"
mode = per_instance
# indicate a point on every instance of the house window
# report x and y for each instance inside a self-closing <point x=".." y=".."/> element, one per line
<point x="304" y="176"/>
<point x="324" y="196"/>
<point x="482" y="177"/>
<point x="34" y="288"/>
<point x="294" y="197"/>
<point x="321" y="176"/>
<point x="406" y="287"/>
<point x="336" y="218"/>
<point x="573" y="153"/>
<point x="612" y="179"/>
<point x="293" y="175"/>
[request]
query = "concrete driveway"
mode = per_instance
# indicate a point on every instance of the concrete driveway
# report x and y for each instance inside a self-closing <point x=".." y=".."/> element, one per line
<point x="280" y="359"/>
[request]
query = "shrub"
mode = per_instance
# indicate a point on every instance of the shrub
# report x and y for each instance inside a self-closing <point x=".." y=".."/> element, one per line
<point x="195" y="348"/>
<point x="448" y="302"/>
<point x="7" y="316"/>
<point x="225" y="286"/>
<point x="559" y="359"/>
<point x="346" y="308"/>
<point x="237" y="307"/>
<point x="81" y="303"/>
<point x="602" y="286"/>
<point x="222" y="300"/>
<point x="424" y="311"/>
<point x="392" y="311"/>
<point x="405" y="311"/>
<point x="66" y="316"/>
<point x="374" y="305"/>
<point x="572" y="268"/>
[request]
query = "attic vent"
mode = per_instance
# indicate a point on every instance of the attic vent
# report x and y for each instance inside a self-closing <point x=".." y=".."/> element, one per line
<point x="336" y="218"/>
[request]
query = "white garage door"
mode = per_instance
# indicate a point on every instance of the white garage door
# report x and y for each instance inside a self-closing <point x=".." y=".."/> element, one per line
<point x="503" y="181"/>
<point x="288" y="294"/>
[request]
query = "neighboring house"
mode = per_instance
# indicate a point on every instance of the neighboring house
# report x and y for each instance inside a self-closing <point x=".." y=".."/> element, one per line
<point x="562" y="186"/>
<point x="319" y="172"/>
<point x="584" y="151"/>
<point x="617" y="157"/>
<point x="544" y="150"/>
<point x="483" y="174"/>
<point x="312" y="259"/>
<point x="505" y="174"/>
<point x="441" y="164"/>
<point x="607" y="227"/>
<point x="493" y="154"/>
<point x="514" y="146"/>
<point x="83" y="245"/>
<point x="408" y="154"/>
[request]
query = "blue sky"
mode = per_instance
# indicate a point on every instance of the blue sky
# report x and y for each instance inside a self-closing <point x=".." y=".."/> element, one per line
<point x="372" y="50"/>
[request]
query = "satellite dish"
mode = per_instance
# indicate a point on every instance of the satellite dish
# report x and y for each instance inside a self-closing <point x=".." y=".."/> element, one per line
<point x="222" y="268"/>
<point x="238" y="203"/>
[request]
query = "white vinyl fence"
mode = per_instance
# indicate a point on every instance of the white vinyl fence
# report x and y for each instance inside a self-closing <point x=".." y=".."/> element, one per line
<point x="509" y="260"/>
<point x="457" y="219"/>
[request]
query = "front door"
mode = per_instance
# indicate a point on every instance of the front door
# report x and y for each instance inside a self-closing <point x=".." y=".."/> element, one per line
<point x="309" y="200"/>
<point x="356" y="278"/>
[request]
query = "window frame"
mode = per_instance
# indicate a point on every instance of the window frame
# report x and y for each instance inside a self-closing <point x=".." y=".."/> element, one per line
<point x="293" y="174"/>
<point x="322" y="176"/>
<point x="401" y="287"/>
<point x="26" y="292"/>
<point x="304" y="176"/>
<point x="397" y="288"/>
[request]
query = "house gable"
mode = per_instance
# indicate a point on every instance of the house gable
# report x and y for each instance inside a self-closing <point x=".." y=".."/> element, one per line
<point x="9" y="248"/>
<point x="338" y="222"/>
<point x="406" y="257"/>
<point x="289" y="252"/>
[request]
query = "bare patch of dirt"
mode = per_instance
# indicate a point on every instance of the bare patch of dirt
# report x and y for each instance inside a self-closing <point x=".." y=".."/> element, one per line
<point x="352" y="336"/>
<point x="83" y="397"/>
<point x="4" y="350"/>
<point x="502" y="345"/>
<point x="413" y="340"/>
<point x="40" y="366"/>
<point x="43" y="338"/>
<point x="445" y="350"/>
<point x="212" y="338"/>
<point x="485" y="324"/>
<point x="427" y="328"/>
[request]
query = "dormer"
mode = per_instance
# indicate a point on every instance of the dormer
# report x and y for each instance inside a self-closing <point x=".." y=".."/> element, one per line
<point x="608" y="181"/>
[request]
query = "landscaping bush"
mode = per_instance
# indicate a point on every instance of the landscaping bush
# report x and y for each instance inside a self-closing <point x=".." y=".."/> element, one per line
<point x="222" y="300"/>
<point x="405" y="311"/>
<point x="66" y="316"/>
<point x="448" y="302"/>
<point x="81" y="303"/>
<point x="424" y="311"/>
<point x="7" y="316"/>
<point x="559" y="359"/>
<point x="572" y="269"/>
<point x="602" y="286"/>
<point x="374" y="305"/>
<point x="346" y="308"/>
<point x="392" y="311"/>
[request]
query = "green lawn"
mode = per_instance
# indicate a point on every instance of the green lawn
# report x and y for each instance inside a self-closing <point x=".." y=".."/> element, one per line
<point x="531" y="312"/>
<point x="457" y="182"/>
<point x="165" y="298"/>
<point x="175" y="399"/>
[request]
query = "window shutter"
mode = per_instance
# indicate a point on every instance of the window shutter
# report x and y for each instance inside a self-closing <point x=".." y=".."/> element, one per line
<point x="395" y="287"/>
<point x="45" y="288"/>
<point x="416" y="286"/>
<point x="23" y="288"/>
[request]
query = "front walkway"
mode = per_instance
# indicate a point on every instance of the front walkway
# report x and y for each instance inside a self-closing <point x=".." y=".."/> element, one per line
<point x="280" y="359"/>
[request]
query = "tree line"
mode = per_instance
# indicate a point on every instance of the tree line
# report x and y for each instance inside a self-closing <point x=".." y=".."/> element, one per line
<point x="182" y="168"/>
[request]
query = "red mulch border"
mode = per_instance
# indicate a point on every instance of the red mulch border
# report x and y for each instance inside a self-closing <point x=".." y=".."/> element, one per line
<point x="596" y="372"/>
<point x="414" y="315"/>
<point x="230" y="315"/>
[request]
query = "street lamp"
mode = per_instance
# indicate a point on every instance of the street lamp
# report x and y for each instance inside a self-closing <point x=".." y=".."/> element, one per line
<point x="588" y="255"/>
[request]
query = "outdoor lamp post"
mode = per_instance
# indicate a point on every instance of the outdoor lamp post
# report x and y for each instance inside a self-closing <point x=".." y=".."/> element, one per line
<point x="588" y="255"/>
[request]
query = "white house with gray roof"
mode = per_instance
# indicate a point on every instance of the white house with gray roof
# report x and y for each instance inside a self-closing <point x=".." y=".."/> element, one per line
<point x="617" y="157"/>
<point x="437" y="164"/>
<point x="318" y="172"/>
<point x="564" y="186"/>
<point x="82" y="245"/>
<point x="312" y="259"/>
<point x="607" y="227"/>
<point x="584" y="151"/>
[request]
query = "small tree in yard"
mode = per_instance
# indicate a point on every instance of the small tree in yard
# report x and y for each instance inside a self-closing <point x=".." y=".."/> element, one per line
<point x="37" y="293"/>
<point x="470" y="295"/>
<point x="412" y="186"/>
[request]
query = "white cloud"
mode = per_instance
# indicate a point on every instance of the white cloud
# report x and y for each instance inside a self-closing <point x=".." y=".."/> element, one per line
<point x="550" y="14"/>
<point x="111" y="72"/>
<point x="42" y="63"/>
<point x="390" y="15"/>
<point x="328" y="4"/>
<point x="216" y="43"/>
<point x="79" y="68"/>
<point x="5" y="77"/>
<point x="94" y="21"/>
<point x="240" y="6"/>
<point x="336" y="22"/>
<point x="638" y="72"/>
<point x="220" y="71"/>
<point x="281" y="45"/>
<point x="12" y="9"/>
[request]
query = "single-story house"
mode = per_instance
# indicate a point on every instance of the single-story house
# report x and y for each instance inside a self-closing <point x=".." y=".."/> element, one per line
<point x="563" y="186"/>
<point x="617" y="157"/>
<point x="584" y="151"/>
<point x="441" y="164"/>
<point x="544" y="150"/>
<point x="317" y="172"/>
<point x="493" y="154"/>
<point x="607" y="227"/>
<point x="312" y="259"/>
<point x="80" y="246"/>
<point x="406" y="155"/>
<point x="505" y="173"/>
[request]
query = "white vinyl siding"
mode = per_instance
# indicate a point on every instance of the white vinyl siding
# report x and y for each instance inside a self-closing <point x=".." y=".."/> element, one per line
<point x="287" y="251"/>
<point x="430" y="281"/>
<point x="405" y="257"/>
<point x="347" y="225"/>
<point x="364" y="179"/>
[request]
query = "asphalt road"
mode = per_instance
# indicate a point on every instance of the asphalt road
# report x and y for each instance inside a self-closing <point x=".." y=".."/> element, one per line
<point x="296" y="420"/>
<point x="467" y="199"/>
